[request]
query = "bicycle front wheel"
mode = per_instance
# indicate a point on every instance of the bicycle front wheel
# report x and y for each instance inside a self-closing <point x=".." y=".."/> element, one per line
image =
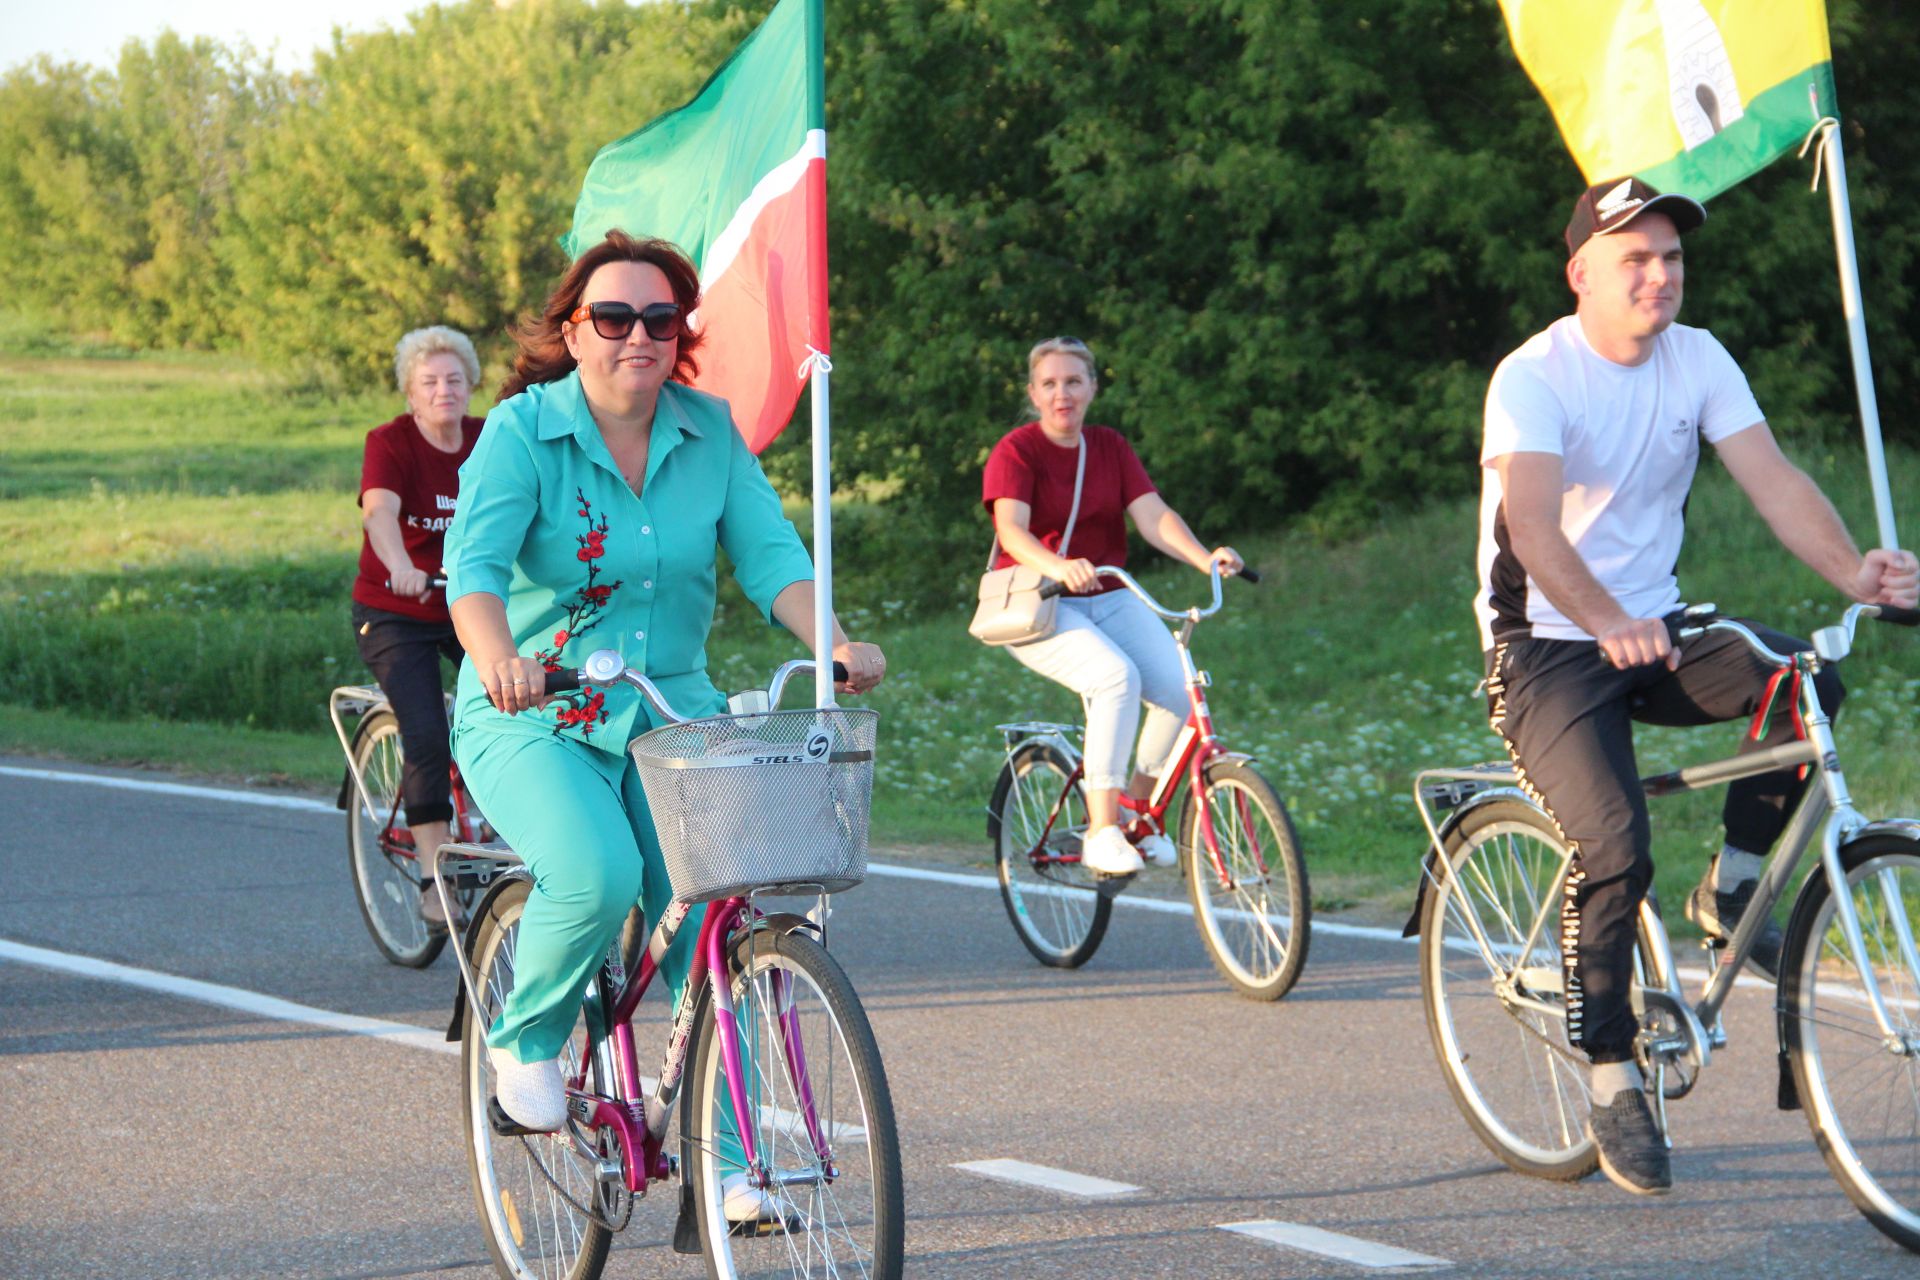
<point x="531" y="1192"/>
<point x="1254" y="911"/>
<point x="386" y="882"/>
<point x="1862" y="1096"/>
<point x="1052" y="903"/>
<point x="1495" y="998"/>
<point x="821" y="1118"/>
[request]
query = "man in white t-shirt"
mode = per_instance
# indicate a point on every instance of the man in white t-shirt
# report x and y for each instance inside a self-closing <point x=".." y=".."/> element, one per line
<point x="1593" y="431"/>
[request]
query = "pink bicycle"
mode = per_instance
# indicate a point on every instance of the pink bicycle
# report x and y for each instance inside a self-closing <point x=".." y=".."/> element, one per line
<point x="787" y="1090"/>
<point x="1244" y="871"/>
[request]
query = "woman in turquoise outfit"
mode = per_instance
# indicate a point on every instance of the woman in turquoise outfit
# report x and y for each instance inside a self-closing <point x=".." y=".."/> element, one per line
<point x="589" y="516"/>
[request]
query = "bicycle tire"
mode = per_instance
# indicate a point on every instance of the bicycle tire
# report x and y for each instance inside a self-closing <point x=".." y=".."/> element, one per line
<point x="386" y="886"/>
<point x="1503" y="856"/>
<point x="531" y="1233"/>
<point x="847" y="1222"/>
<point x="1862" y="1100"/>
<point x="1055" y="910"/>
<point x="1257" y="925"/>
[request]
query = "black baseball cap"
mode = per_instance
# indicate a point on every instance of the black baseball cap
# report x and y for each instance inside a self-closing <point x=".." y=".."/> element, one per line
<point x="1608" y="206"/>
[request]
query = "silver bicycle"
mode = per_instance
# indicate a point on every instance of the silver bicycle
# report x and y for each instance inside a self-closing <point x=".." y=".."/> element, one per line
<point x="1849" y="994"/>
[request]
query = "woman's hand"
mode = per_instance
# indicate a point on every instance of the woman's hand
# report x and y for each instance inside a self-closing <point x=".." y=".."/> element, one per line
<point x="513" y="684"/>
<point x="410" y="582"/>
<point x="1227" y="558"/>
<point x="1078" y="575"/>
<point x="866" y="666"/>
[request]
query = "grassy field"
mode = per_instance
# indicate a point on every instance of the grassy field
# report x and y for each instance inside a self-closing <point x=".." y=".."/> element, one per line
<point x="180" y="537"/>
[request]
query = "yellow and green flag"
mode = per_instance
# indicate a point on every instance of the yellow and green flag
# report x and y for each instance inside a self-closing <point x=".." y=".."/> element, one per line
<point x="1690" y="96"/>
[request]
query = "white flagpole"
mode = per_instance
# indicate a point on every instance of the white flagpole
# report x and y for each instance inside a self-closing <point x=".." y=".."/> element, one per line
<point x="1850" y="303"/>
<point x="822" y="537"/>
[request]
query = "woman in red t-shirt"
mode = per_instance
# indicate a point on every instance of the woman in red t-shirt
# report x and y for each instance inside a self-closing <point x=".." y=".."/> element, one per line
<point x="409" y="481"/>
<point x="1108" y="647"/>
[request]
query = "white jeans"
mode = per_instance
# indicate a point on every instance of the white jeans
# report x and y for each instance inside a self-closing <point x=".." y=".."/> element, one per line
<point x="1112" y="651"/>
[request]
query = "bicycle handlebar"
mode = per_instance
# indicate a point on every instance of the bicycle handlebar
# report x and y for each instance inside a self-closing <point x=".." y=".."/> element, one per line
<point x="605" y="667"/>
<point x="1823" y="644"/>
<point x="1055" y="588"/>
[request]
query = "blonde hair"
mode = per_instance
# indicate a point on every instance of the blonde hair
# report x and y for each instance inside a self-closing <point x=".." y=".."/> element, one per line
<point x="1063" y="346"/>
<point x="434" y="340"/>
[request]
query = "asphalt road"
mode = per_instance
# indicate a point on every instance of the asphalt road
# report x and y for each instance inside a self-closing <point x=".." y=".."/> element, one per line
<point x="144" y="1133"/>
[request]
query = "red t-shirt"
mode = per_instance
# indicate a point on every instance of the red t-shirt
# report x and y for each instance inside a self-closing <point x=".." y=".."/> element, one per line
<point x="399" y="459"/>
<point x="1027" y="466"/>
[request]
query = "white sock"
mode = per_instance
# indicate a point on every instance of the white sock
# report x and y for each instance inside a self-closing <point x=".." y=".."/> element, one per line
<point x="1609" y="1078"/>
<point x="1734" y="867"/>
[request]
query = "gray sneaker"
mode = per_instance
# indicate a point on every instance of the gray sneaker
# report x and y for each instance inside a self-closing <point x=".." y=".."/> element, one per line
<point x="1633" y="1155"/>
<point x="1717" y="914"/>
<point x="434" y="915"/>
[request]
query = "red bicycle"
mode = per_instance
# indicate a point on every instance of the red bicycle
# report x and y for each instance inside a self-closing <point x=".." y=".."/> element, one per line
<point x="1238" y="851"/>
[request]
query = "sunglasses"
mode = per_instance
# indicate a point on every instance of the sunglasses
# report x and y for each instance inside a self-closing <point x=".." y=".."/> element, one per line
<point x="614" y="320"/>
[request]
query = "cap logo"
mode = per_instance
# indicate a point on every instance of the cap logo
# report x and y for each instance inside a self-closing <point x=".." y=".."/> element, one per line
<point x="1616" y="201"/>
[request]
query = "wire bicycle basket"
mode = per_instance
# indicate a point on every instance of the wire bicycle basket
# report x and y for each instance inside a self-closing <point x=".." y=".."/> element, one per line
<point x="775" y="801"/>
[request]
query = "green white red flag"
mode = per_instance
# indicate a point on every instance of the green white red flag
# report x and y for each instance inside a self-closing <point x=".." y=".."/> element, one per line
<point x="738" y="179"/>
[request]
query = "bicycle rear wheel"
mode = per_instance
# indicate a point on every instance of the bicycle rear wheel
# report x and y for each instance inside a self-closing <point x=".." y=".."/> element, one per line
<point x="1053" y="905"/>
<point x="386" y="883"/>
<point x="1862" y="1098"/>
<point x="1498" y="1022"/>
<point x="532" y="1231"/>
<point x="1257" y="921"/>
<point x="806" y="1051"/>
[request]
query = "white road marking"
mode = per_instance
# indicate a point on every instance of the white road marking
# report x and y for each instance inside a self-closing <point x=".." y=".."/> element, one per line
<point x="1331" y="1244"/>
<point x="236" y="998"/>
<point x="969" y="880"/>
<point x="1039" y="1175"/>
<point x="171" y="789"/>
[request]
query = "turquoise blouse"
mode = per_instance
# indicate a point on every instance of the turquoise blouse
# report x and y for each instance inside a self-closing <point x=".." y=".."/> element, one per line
<point x="546" y="522"/>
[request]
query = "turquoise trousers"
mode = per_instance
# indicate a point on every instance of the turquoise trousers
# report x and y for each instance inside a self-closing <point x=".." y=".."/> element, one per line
<point x="578" y="819"/>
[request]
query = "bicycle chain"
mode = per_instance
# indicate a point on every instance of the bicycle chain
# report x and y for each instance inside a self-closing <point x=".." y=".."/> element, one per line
<point x="575" y="1205"/>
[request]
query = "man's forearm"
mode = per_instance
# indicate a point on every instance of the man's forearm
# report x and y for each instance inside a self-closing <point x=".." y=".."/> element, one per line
<point x="1808" y="526"/>
<point x="1551" y="561"/>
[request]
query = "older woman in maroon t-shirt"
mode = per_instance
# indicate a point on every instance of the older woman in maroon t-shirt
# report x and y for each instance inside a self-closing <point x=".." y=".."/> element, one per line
<point x="409" y="482"/>
<point x="1108" y="647"/>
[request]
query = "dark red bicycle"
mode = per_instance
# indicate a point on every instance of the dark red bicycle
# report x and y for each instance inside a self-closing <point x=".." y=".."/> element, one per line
<point x="1238" y="851"/>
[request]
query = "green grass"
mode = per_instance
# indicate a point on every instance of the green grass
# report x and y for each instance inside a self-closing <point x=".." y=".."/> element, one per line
<point x="181" y="536"/>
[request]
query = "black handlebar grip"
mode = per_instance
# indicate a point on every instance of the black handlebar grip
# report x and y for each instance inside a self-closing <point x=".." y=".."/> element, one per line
<point x="1049" y="590"/>
<point x="1897" y="616"/>
<point x="1250" y="573"/>
<point x="839" y="673"/>
<point x="565" y="680"/>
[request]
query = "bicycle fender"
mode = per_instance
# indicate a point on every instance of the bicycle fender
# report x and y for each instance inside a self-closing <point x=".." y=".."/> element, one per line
<point x="482" y="908"/>
<point x="1453" y="819"/>
<point x="780" y="922"/>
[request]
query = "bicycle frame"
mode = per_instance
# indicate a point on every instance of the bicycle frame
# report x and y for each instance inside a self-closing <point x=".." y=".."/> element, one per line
<point x="1197" y="746"/>
<point x="362" y="701"/>
<point x="1825" y="814"/>
<point x="637" y="1116"/>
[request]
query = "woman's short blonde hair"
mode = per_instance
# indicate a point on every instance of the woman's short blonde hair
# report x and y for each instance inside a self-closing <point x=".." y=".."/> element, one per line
<point x="1063" y="346"/>
<point x="434" y="340"/>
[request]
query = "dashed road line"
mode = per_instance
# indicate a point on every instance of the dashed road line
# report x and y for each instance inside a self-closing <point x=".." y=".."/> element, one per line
<point x="1331" y="1244"/>
<point x="1064" y="1181"/>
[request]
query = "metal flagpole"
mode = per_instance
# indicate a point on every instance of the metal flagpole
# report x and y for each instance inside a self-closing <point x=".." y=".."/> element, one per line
<point x="818" y="361"/>
<point x="822" y="538"/>
<point x="1836" y="166"/>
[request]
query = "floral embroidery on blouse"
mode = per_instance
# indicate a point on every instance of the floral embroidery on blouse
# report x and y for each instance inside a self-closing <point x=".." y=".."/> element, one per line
<point x="583" y="709"/>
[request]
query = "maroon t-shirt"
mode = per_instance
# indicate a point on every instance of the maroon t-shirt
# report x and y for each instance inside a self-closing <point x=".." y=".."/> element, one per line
<point x="1027" y="466"/>
<point x="399" y="459"/>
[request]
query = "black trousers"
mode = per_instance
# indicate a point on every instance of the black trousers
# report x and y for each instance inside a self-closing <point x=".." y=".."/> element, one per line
<point x="404" y="655"/>
<point x="1567" y="715"/>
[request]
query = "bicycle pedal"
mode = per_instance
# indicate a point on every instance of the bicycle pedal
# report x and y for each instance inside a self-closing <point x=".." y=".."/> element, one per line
<point x="505" y="1125"/>
<point x="760" y="1228"/>
<point x="1112" y="886"/>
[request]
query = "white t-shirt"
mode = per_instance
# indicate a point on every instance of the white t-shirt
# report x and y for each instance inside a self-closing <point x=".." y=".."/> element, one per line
<point x="1628" y="437"/>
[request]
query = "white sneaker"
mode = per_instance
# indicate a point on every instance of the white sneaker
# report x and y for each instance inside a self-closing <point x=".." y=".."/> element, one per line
<point x="1157" y="850"/>
<point x="1108" y="852"/>
<point x="741" y="1201"/>
<point x="531" y="1093"/>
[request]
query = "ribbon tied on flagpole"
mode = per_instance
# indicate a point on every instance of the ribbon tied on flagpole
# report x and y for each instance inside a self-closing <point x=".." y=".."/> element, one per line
<point x="816" y="360"/>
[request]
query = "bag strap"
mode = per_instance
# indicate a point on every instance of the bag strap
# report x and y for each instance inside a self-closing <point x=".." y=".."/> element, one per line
<point x="1073" y="516"/>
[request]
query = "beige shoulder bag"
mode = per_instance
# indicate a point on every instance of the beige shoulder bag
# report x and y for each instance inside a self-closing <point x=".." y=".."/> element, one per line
<point x="1011" y="609"/>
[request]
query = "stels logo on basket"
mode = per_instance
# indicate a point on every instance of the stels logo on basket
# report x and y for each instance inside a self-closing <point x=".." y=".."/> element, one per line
<point x="819" y="747"/>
